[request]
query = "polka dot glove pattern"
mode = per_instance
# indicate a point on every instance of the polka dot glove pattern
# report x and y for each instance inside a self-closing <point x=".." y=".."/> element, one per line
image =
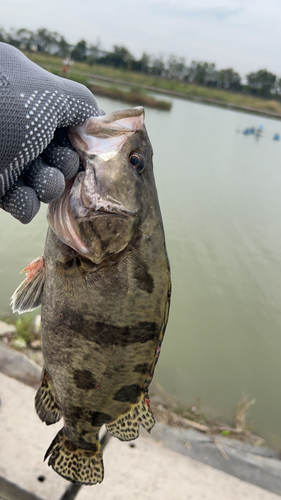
<point x="35" y="155"/>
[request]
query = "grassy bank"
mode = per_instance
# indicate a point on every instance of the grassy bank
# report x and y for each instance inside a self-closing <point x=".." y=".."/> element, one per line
<point x="157" y="84"/>
<point x="136" y="96"/>
<point x="133" y="96"/>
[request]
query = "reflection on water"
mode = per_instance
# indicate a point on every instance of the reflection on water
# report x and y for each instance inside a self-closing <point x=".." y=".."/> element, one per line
<point x="220" y="197"/>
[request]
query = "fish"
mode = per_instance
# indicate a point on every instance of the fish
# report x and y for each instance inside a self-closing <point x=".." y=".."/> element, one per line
<point x="104" y="287"/>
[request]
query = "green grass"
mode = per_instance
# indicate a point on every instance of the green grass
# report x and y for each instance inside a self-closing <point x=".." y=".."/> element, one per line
<point x="223" y="97"/>
<point x="135" y="96"/>
<point x="132" y="96"/>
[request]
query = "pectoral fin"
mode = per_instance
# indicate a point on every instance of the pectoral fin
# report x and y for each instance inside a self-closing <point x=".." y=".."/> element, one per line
<point x="126" y="428"/>
<point x="46" y="403"/>
<point x="28" y="295"/>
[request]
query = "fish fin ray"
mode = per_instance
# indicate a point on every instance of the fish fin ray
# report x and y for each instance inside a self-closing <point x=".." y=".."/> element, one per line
<point x="46" y="403"/>
<point x="126" y="428"/>
<point x="73" y="463"/>
<point x="29" y="293"/>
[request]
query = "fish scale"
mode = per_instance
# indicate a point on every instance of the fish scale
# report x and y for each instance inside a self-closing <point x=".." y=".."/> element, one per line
<point x="104" y="286"/>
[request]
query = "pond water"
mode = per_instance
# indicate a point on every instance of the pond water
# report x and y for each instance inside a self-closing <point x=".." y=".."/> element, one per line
<point x="220" y="195"/>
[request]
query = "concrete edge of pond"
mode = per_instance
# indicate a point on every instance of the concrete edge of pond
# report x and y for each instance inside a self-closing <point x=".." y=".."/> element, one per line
<point x="259" y="466"/>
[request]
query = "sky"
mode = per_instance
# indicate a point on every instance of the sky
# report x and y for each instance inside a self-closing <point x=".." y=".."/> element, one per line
<point x="242" y="34"/>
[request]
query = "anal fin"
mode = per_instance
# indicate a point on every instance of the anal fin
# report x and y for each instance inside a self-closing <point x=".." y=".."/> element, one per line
<point x="46" y="404"/>
<point x="28" y="294"/>
<point x="126" y="428"/>
<point x="73" y="463"/>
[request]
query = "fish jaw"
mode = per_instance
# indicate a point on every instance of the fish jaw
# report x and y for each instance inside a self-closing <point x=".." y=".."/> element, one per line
<point x="95" y="228"/>
<point x="62" y="222"/>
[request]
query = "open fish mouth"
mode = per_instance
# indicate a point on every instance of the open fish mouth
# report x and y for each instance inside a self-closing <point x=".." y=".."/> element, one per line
<point x="95" y="230"/>
<point x="83" y="208"/>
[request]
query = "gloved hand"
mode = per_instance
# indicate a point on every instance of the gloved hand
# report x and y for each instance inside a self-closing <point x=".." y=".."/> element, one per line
<point x="35" y="157"/>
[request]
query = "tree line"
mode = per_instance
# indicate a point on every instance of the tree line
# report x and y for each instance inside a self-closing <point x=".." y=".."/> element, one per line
<point x="261" y="83"/>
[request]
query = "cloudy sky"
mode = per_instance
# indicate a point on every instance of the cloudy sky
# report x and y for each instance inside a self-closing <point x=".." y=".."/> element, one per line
<point x="243" y="34"/>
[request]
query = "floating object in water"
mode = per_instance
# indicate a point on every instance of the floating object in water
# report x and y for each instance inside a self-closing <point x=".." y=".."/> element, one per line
<point x="276" y="137"/>
<point x="250" y="130"/>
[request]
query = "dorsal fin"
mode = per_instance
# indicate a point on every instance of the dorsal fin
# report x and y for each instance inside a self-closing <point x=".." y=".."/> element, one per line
<point x="28" y="294"/>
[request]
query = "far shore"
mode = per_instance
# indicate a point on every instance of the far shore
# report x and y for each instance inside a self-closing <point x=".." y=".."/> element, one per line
<point x="189" y="97"/>
<point x="85" y="73"/>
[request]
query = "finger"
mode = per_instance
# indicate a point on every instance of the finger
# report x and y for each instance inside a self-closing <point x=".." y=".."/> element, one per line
<point x="22" y="203"/>
<point x="63" y="158"/>
<point x="47" y="182"/>
<point x="62" y="139"/>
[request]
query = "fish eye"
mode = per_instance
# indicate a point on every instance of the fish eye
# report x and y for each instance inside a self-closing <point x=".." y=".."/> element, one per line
<point x="137" y="162"/>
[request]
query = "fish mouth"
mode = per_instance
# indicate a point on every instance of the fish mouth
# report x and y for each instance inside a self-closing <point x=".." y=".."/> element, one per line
<point x="97" y="207"/>
<point x="95" y="230"/>
<point x="93" y="214"/>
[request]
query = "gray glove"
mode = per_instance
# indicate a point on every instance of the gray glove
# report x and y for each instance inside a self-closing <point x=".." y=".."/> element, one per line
<point x="35" y="154"/>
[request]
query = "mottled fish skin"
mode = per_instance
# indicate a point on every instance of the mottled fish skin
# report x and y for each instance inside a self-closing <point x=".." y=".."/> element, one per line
<point x="100" y="338"/>
<point x="105" y="299"/>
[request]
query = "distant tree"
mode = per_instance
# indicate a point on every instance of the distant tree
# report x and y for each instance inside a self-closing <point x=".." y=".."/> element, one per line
<point x="119" y="58"/>
<point x="202" y="73"/>
<point x="63" y="47"/>
<point x="211" y="75"/>
<point x="229" y="79"/>
<point x="3" y="35"/>
<point x="277" y="87"/>
<point x="176" y="67"/>
<point x="22" y="38"/>
<point x="261" y="83"/>
<point x="79" y="53"/>
<point x="157" y="66"/>
<point x="143" y="64"/>
<point x="51" y="42"/>
<point x="93" y="54"/>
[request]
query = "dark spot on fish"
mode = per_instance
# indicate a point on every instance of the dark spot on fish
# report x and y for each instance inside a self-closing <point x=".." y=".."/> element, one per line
<point x="83" y="443"/>
<point x="98" y="418"/>
<point x="67" y="265"/>
<point x="84" y="379"/>
<point x="105" y="334"/>
<point x="75" y="321"/>
<point x="75" y="412"/>
<point x="70" y="446"/>
<point x="143" y="277"/>
<point x="142" y="368"/>
<point x="128" y="393"/>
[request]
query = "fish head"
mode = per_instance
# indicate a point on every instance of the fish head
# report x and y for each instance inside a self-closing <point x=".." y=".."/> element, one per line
<point x="103" y="208"/>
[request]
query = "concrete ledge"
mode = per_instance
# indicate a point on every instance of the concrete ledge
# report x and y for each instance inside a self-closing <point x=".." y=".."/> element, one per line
<point x="24" y="440"/>
<point x="10" y="491"/>
<point x="257" y="465"/>
<point x="17" y="365"/>
<point x="152" y="472"/>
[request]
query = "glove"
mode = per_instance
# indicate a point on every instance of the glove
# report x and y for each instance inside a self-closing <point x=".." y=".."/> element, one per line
<point x="35" y="154"/>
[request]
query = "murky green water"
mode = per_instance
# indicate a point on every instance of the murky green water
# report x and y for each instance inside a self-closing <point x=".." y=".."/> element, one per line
<point x="220" y="194"/>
